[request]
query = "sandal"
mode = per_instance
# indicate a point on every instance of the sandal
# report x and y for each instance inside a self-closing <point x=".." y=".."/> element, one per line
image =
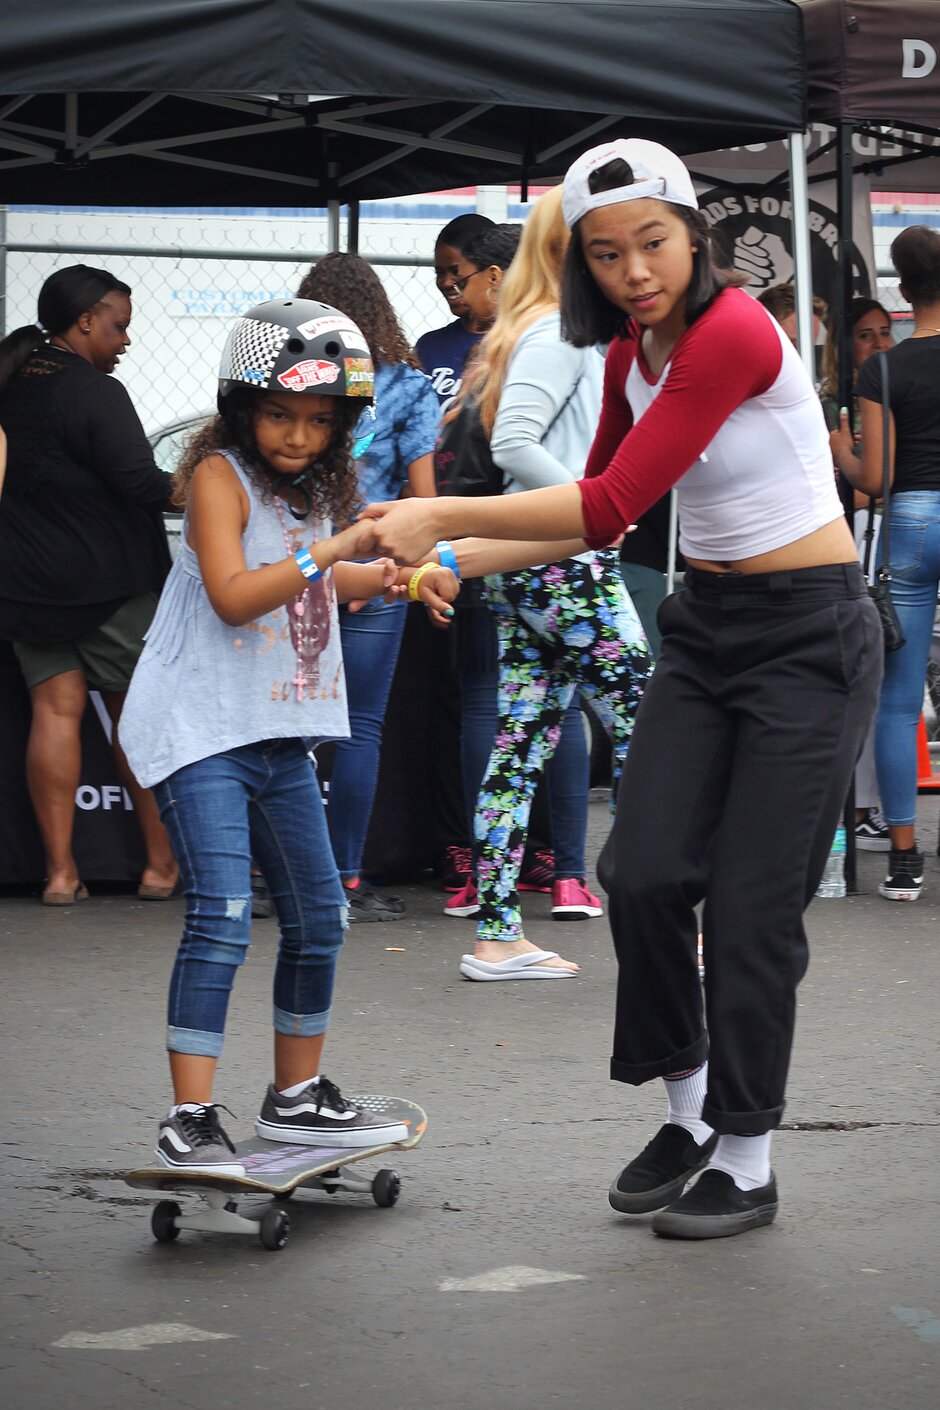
<point x="65" y="898"/>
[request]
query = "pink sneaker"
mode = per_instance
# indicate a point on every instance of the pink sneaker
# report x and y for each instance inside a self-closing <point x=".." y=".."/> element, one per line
<point x="571" y="900"/>
<point x="464" y="903"/>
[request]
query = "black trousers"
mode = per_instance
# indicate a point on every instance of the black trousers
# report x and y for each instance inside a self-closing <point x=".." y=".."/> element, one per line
<point x="734" y="784"/>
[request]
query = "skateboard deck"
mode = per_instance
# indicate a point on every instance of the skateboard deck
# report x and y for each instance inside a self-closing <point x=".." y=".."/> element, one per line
<point x="278" y="1169"/>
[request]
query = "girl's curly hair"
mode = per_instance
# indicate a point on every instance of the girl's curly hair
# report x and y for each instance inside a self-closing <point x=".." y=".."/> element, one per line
<point x="333" y="491"/>
<point x="349" y="283"/>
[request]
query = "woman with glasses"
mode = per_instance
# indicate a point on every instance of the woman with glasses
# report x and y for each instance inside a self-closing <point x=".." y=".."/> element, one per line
<point x="392" y="444"/>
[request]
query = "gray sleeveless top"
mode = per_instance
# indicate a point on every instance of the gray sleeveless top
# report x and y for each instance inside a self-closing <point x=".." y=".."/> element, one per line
<point x="201" y="687"/>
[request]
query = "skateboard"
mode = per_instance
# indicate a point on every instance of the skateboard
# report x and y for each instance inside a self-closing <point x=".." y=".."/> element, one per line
<point x="277" y="1169"/>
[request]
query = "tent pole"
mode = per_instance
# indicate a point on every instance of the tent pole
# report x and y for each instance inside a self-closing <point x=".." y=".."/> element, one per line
<point x="3" y="271"/>
<point x="844" y="220"/>
<point x="352" y="227"/>
<point x="802" y="264"/>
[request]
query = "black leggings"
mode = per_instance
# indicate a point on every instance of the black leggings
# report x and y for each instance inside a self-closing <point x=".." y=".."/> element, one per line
<point x="741" y="758"/>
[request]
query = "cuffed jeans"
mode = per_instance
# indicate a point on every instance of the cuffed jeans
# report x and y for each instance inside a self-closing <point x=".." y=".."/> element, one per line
<point x="742" y="753"/>
<point x="259" y="801"/>
<point x="915" y="568"/>
<point x="371" y="641"/>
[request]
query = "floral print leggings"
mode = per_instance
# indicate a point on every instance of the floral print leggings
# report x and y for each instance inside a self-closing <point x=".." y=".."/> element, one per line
<point x="565" y="627"/>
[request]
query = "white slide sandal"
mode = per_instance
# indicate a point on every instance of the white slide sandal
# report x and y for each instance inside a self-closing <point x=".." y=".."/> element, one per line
<point x="523" y="966"/>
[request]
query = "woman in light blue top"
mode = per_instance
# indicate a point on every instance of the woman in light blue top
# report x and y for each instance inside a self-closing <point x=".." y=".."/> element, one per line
<point x="242" y="665"/>
<point x="392" y="447"/>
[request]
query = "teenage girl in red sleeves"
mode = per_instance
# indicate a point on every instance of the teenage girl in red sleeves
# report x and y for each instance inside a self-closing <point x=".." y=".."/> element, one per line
<point x="750" y="727"/>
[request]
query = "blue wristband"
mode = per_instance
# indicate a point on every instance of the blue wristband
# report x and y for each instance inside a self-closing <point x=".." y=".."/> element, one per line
<point x="445" y="552"/>
<point x="306" y="565"/>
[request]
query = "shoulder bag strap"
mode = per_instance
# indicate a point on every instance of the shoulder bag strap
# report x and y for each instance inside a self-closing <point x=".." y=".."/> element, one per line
<point x="885" y="571"/>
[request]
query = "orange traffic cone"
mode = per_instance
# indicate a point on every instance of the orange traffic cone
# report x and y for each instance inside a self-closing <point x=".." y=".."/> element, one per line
<point x="927" y="780"/>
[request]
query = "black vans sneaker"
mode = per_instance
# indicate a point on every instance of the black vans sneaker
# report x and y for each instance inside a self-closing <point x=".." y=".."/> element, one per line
<point x="661" y="1171"/>
<point x="321" y="1116"/>
<point x="905" y="879"/>
<point x="193" y="1139"/>
<point x="714" y="1208"/>
<point x="872" y="834"/>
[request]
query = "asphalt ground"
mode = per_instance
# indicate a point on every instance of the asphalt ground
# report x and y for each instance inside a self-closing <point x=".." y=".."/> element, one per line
<point x="502" y="1280"/>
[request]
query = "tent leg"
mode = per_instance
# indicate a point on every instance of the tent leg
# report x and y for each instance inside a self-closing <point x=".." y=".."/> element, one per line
<point x="332" y="226"/>
<point x="803" y="268"/>
<point x="844" y="220"/>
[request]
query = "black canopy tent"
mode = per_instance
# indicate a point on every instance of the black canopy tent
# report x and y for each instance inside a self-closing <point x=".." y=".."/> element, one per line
<point x="306" y="103"/>
<point x="209" y="102"/>
<point x="874" y="67"/>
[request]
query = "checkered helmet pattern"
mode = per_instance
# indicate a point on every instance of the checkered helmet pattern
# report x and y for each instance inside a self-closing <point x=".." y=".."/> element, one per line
<point x="297" y="345"/>
<point x="251" y="351"/>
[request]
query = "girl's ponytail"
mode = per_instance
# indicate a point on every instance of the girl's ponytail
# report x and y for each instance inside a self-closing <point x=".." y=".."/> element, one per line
<point x="16" y="349"/>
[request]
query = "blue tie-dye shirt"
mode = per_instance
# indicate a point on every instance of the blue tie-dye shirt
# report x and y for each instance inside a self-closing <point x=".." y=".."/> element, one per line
<point x="407" y="416"/>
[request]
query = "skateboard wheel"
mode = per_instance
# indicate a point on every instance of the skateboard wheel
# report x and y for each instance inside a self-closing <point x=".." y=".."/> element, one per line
<point x="163" y="1221"/>
<point x="386" y="1187"/>
<point x="274" y="1228"/>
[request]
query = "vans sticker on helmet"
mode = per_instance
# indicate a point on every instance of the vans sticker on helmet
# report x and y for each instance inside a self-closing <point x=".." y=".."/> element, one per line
<point x="312" y="373"/>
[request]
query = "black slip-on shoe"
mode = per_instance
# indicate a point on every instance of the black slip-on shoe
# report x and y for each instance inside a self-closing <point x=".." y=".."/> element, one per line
<point x="660" y="1172"/>
<point x="714" y="1208"/>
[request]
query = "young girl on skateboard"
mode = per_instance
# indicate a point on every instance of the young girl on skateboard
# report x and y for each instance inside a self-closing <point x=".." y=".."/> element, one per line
<point x="241" y="667"/>
<point x="749" y="730"/>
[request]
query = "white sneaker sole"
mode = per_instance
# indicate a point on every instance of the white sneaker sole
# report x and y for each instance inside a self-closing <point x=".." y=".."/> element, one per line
<point x="576" y="912"/>
<point x="873" y="844"/>
<point x="461" y="912"/>
<point x="334" y="1140"/>
<point x="907" y="893"/>
<point x="210" y="1168"/>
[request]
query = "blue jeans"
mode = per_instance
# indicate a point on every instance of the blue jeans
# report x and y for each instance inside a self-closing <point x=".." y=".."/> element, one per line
<point x="915" y="568"/>
<point x="261" y="800"/>
<point x="371" y="642"/>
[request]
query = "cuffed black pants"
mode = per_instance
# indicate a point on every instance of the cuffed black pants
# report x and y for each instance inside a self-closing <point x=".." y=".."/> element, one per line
<point x="734" y="784"/>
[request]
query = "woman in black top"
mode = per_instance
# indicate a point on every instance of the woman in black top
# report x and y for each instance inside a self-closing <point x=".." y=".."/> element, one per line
<point x="83" y="550"/>
<point x="914" y="524"/>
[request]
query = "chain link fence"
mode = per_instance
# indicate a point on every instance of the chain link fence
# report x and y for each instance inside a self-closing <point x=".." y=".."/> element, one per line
<point x="190" y="274"/>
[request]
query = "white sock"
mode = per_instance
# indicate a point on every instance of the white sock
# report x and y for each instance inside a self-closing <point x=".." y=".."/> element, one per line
<point x="745" y="1158"/>
<point x="298" y="1087"/>
<point x="686" y="1093"/>
<point x="188" y="1106"/>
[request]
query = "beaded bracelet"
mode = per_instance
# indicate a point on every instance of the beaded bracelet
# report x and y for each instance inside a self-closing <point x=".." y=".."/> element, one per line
<point x="307" y="566"/>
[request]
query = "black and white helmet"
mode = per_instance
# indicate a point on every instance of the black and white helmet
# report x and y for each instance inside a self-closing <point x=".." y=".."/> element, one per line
<point x="297" y="345"/>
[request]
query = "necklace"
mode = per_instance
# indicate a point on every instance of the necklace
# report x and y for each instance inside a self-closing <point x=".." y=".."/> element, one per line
<point x="302" y="635"/>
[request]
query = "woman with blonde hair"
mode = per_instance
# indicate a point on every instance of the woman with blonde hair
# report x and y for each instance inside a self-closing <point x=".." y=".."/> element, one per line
<point x="563" y="627"/>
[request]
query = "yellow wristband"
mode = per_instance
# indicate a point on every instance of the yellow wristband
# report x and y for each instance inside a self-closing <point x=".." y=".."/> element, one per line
<point x="414" y="582"/>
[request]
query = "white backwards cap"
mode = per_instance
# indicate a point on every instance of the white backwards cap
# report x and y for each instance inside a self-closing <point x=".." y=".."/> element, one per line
<point x="657" y="172"/>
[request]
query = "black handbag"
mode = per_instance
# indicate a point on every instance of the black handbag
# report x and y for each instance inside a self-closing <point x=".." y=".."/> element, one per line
<point x="463" y="464"/>
<point x="880" y="589"/>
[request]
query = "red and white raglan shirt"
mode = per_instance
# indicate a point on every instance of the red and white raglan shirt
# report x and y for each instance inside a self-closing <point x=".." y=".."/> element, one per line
<point x="732" y="421"/>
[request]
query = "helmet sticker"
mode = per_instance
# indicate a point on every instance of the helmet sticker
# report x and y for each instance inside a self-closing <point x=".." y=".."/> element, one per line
<point x="360" y="380"/>
<point x="311" y="373"/>
<point x="333" y="323"/>
<point x="254" y="349"/>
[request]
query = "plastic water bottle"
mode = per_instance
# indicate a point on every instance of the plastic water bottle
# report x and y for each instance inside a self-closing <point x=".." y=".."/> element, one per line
<point x="833" y="878"/>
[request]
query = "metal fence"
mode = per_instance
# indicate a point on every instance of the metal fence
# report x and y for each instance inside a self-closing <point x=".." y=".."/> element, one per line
<point x="190" y="274"/>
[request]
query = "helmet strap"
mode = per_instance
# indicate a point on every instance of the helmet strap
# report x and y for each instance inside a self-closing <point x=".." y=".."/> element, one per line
<point x="290" y="485"/>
